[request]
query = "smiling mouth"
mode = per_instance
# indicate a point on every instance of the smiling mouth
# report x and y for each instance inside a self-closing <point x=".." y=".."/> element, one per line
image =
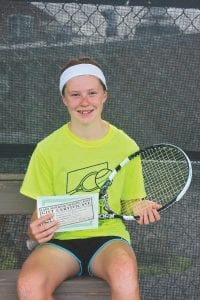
<point x="85" y="112"/>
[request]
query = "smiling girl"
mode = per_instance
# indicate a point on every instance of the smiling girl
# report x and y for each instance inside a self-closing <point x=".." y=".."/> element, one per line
<point x="62" y="163"/>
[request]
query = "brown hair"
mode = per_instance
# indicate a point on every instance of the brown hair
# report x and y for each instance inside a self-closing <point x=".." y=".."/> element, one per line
<point x="78" y="61"/>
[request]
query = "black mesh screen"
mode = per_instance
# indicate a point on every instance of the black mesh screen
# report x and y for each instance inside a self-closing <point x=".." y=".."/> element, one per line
<point x="150" y="54"/>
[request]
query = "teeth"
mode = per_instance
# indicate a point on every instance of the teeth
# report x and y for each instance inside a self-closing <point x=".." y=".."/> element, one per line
<point x="85" y="112"/>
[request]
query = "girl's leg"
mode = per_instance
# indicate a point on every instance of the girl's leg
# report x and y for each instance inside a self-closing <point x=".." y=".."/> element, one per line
<point x="116" y="263"/>
<point x="43" y="271"/>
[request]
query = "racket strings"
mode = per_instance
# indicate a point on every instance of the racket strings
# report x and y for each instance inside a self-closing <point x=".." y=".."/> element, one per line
<point x="165" y="172"/>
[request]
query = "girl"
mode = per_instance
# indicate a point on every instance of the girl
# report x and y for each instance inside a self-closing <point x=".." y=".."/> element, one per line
<point x="61" y="163"/>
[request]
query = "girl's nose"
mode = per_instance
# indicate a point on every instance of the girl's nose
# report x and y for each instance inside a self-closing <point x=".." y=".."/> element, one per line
<point x="84" y="100"/>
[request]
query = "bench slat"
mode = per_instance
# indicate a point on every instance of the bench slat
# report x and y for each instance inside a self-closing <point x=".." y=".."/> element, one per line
<point x="79" y="288"/>
<point x="11" y="201"/>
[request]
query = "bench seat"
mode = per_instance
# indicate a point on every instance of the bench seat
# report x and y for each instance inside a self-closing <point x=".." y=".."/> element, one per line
<point x="79" y="288"/>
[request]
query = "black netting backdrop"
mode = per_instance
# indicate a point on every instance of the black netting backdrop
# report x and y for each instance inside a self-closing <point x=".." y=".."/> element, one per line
<point x="150" y="54"/>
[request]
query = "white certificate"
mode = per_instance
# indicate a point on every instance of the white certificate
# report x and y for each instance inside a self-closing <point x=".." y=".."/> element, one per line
<point x="76" y="212"/>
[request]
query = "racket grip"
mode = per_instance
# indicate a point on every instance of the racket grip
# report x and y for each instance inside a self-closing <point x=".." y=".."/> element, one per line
<point x="131" y="218"/>
<point x="31" y="245"/>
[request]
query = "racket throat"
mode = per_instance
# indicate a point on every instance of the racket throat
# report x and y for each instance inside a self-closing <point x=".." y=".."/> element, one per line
<point x="108" y="216"/>
<point x="104" y="205"/>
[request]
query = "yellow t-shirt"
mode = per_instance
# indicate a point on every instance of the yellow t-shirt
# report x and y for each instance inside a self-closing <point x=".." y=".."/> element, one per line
<point x="63" y="164"/>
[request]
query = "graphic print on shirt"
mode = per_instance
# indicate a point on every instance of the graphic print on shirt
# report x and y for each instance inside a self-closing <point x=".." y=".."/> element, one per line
<point x="88" y="179"/>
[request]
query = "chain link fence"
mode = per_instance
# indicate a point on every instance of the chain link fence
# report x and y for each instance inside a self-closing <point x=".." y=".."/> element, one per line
<point x="35" y="24"/>
<point x="150" y="56"/>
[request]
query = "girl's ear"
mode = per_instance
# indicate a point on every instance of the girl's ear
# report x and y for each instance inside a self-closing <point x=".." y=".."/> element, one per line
<point x="105" y="96"/>
<point x="64" y="100"/>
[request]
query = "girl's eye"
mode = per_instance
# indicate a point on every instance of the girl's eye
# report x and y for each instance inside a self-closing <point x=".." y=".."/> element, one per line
<point x="93" y="93"/>
<point x="74" y="95"/>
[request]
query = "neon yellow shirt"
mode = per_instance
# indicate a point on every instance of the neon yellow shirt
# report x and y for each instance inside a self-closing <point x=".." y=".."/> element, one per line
<point x="63" y="164"/>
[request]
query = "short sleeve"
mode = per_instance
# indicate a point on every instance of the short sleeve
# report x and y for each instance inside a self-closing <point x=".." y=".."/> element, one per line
<point x="38" y="178"/>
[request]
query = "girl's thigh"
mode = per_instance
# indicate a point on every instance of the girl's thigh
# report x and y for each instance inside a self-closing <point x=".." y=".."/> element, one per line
<point x="50" y="265"/>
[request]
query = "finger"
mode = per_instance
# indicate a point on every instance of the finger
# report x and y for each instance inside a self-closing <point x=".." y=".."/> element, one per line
<point x="34" y="224"/>
<point x="45" y="233"/>
<point x="140" y="220"/>
<point x="156" y="215"/>
<point x="47" y="227"/>
<point x="44" y="219"/>
<point x="152" y="216"/>
<point x="148" y="216"/>
<point x="156" y="206"/>
<point x="35" y="228"/>
<point x="45" y="239"/>
<point x="143" y="220"/>
<point x="42" y="227"/>
<point x="47" y="224"/>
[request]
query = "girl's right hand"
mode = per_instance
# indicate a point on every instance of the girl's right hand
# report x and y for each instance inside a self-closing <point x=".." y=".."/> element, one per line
<point x="42" y="229"/>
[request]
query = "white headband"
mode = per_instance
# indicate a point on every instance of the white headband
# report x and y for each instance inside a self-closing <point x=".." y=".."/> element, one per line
<point x="81" y="69"/>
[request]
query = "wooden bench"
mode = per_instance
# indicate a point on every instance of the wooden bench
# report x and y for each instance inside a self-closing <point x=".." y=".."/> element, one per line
<point x="11" y="202"/>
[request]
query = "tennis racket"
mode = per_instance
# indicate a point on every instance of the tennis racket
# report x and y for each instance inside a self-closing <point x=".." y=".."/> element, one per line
<point x="167" y="174"/>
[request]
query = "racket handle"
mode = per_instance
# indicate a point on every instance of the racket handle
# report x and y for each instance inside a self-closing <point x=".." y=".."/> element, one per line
<point x="115" y="216"/>
<point x="31" y="244"/>
<point x="130" y="218"/>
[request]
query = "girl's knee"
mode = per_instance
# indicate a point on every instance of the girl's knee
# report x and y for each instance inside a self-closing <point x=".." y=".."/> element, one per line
<point x="123" y="270"/>
<point x="124" y="282"/>
<point x="24" y="286"/>
<point x="29" y="285"/>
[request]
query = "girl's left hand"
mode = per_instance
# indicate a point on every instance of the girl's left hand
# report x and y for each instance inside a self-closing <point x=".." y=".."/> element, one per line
<point x="147" y="211"/>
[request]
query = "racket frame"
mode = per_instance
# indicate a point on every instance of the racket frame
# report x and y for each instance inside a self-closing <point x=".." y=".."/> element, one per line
<point x="103" y="195"/>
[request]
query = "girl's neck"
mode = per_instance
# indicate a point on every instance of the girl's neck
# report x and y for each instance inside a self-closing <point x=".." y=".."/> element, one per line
<point x="88" y="132"/>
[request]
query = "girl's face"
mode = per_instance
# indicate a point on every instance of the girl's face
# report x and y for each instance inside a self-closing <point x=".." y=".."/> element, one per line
<point x="84" y="97"/>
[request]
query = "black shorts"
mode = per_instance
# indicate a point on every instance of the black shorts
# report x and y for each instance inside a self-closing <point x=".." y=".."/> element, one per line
<point x="84" y="250"/>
